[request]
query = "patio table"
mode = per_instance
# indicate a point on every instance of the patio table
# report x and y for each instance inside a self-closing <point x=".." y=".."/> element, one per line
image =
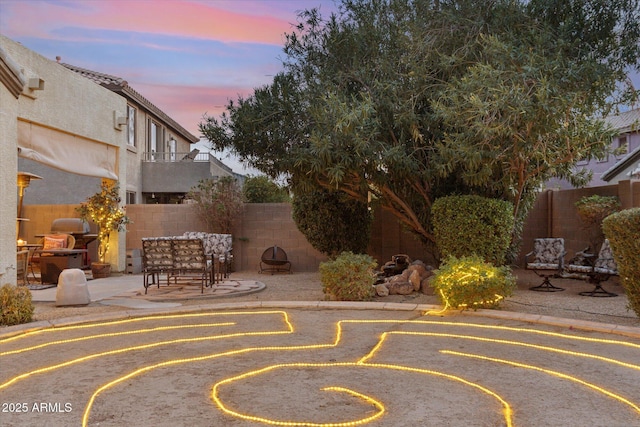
<point x="53" y="261"/>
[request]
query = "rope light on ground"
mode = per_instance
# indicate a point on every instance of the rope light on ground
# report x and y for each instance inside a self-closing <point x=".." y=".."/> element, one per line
<point x="361" y="362"/>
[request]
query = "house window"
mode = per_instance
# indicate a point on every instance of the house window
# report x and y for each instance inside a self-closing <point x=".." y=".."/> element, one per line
<point x="172" y="149"/>
<point x="622" y="147"/>
<point x="131" y="197"/>
<point x="155" y="146"/>
<point x="131" y="126"/>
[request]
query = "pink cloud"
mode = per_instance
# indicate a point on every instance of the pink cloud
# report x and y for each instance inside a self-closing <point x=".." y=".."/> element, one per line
<point x="187" y="104"/>
<point x="169" y="17"/>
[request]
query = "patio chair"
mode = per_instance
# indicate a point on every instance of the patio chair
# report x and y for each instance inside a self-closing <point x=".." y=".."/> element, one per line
<point x="157" y="259"/>
<point x="190" y="261"/>
<point x="22" y="266"/>
<point x="546" y="260"/>
<point x="52" y="241"/>
<point x="597" y="270"/>
<point x="274" y="260"/>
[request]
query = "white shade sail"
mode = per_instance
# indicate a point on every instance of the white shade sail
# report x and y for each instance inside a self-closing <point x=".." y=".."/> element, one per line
<point x="67" y="152"/>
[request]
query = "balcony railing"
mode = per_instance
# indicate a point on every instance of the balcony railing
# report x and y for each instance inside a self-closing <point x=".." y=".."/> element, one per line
<point x="175" y="157"/>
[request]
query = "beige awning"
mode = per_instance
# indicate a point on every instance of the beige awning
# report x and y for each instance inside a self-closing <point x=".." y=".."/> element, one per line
<point x="67" y="152"/>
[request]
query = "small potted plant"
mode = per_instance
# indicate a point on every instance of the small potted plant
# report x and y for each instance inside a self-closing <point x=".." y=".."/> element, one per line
<point x="103" y="208"/>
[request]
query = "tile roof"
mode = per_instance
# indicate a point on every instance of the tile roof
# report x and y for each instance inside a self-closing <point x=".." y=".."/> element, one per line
<point x="625" y="122"/>
<point x="119" y="85"/>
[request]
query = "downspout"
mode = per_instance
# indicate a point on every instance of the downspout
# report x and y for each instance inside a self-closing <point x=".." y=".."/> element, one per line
<point x="549" y="213"/>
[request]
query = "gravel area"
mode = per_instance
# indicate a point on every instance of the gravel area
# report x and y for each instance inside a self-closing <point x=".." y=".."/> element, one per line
<point x="307" y="287"/>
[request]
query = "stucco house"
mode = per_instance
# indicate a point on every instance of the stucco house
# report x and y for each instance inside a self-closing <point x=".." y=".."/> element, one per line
<point x="54" y="118"/>
<point x="628" y="164"/>
<point x="614" y="167"/>
<point x="161" y="164"/>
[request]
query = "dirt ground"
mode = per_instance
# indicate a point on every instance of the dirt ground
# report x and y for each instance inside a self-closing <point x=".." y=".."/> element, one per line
<point x="288" y="364"/>
<point x="307" y="287"/>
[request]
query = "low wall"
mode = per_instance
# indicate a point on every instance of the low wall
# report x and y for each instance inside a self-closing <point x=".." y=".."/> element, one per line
<point x="259" y="227"/>
<point x="555" y="215"/>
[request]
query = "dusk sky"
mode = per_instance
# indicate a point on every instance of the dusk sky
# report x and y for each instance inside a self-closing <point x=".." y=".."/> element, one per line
<point x="188" y="57"/>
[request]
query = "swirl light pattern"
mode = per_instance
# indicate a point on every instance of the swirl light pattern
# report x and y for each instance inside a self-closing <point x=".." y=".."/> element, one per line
<point x="334" y="368"/>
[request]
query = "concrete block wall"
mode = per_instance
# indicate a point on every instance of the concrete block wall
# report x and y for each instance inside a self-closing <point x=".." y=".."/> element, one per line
<point x="536" y="225"/>
<point x="565" y="221"/>
<point x="263" y="225"/>
<point x="555" y="215"/>
<point x="389" y="238"/>
<point x="259" y="227"/>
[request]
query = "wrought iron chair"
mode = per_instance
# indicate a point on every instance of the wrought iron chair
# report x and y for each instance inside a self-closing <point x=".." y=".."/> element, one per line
<point x="157" y="259"/>
<point x="275" y="260"/>
<point x="597" y="270"/>
<point x="22" y="266"/>
<point x="546" y="260"/>
<point x="190" y="260"/>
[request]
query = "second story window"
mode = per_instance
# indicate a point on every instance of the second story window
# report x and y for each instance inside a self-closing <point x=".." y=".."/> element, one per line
<point x="155" y="147"/>
<point x="172" y="149"/>
<point x="623" y="145"/>
<point x="131" y="126"/>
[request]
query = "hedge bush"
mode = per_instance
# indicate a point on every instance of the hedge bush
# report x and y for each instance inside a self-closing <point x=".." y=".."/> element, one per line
<point x="331" y="221"/>
<point x="466" y="225"/>
<point x="15" y="305"/>
<point x="261" y="189"/>
<point x="470" y="282"/>
<point x="623" y="231"/>
<point x="592" y="210"/>
<point x="349" y="277"/>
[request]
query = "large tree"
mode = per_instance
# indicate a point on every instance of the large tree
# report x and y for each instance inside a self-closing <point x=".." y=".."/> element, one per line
<point x="407" y="101"/>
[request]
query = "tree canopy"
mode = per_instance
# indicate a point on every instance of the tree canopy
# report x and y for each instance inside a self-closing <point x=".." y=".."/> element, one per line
<point x="261" y="189"/>
<point x="406" y="101"/>
<point x="218" y="202"/>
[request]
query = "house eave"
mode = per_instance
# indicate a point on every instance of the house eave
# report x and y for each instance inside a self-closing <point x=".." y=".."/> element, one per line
<point x="625" y="162"/>
<point x="10" y="75"/>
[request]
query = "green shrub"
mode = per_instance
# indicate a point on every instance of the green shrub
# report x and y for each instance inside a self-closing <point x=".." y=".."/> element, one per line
<point x="349" y="277"/>
<point x="218" y="203"/>
<point x="592" y="210"/>
<point x="469" y="281"/>
<point x="261" y="189"/>
<point x="331" y="221"/>
<point x="466" y="225"/>
<point x="623" y="231"/>
<point x="16" y="306"/>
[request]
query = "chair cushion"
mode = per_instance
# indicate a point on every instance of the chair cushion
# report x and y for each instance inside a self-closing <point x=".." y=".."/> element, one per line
<point x="542" y="266"/>
<point x="548" y="251"/>
<point x="579" y="268"/>
<point x="214" y="244"/>
<point x="605" y="258"/>
<point x="601" y="270"/>
<point x="54" y="243"/>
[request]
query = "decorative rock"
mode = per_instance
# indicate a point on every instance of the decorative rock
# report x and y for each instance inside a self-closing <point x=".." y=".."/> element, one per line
<point x="425" y="286"/>
<point x="400" y="288"/>
<point x="72" y="288"/>
<point x="421" y="269"/>
<point x="381" y="290"/>
<point x="404" y="277"/>
<point x="414" y="279"/>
